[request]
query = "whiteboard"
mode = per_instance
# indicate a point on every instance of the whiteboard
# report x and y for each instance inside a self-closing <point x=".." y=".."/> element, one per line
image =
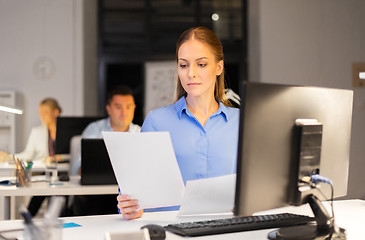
<point x="160" y="82"/>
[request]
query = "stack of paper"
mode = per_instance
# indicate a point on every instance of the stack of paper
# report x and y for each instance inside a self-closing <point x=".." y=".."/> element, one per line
<point x="146" y="168"/>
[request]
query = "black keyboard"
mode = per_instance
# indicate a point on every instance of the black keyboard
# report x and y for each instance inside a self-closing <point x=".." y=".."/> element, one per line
<point x="237" y="224"/>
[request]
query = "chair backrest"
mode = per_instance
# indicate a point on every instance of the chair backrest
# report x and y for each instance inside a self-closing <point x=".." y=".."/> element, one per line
<point x="75" y="154"/>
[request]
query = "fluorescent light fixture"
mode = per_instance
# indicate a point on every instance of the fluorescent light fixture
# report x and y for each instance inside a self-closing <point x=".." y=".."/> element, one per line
<point x="11" y="110"/>
<point x="362" y="75"/>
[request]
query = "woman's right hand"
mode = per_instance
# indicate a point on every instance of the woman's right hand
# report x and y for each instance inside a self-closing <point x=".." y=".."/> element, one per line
<point x="128" y="207"/>
<point x="4" y="157"/>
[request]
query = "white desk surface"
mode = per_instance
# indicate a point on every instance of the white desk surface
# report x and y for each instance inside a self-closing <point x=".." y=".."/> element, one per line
<point x="66" y="188"/>
<point x="7" y="169"/>
<point x="8" y="193"/>
<point x="349" y="214"/>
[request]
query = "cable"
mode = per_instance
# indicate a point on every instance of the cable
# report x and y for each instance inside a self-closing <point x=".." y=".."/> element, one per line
<point x="312" y="181"/>
<point x="330" y="199"/>
<point x="316" y="178"/>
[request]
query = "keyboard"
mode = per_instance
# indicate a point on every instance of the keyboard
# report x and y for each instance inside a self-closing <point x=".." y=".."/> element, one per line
<point x="237" y="224"/>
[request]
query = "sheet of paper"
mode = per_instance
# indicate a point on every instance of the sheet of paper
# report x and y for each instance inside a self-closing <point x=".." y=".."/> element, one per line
<point x="209" y="196"/>
<point x="145" y="167"/>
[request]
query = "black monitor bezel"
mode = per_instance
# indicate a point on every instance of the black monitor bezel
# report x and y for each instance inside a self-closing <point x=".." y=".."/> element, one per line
<point x="67" y="127"/>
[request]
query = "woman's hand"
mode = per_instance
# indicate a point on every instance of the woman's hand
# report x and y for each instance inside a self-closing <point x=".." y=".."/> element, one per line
<point x="53" y="159"/>
<point x="4" y="157"/>
<point x="128" y="207"/>
<point x="49" y="160"/>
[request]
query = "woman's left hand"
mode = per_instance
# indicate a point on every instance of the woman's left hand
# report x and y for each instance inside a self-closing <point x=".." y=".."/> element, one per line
<point x="128" y="207"/>
<point x="4" y="157"/>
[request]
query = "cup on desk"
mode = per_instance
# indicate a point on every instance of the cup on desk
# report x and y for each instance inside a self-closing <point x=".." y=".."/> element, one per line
<point x="51" y="170"/>
<point x="50" y="229"/>
<point x="23" y="177"/>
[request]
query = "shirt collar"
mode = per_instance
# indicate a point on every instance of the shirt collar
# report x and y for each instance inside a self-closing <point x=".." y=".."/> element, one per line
<point x="181" y="107"/>
<point x="131" y="128"/>
<point x="108" y="126"/>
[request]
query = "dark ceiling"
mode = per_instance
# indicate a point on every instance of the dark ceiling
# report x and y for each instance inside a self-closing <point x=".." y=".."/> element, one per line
<point x="149" y="29"/>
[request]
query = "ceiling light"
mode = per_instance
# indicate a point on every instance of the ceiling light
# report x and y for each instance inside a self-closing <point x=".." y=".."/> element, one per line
<point x="11" y="110"/>
<point x="362" y="75"/>
<point x="215" y="17"/>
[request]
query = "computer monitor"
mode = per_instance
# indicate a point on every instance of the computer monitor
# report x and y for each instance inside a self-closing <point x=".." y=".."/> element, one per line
<point x="96" y="168"/>
<point x="67" y="127"/>
<point x="269" y="162"/>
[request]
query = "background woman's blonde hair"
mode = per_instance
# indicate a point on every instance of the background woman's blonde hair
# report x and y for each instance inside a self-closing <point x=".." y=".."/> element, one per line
<point x="206" y="36"/>
<point x="52" y="103"/>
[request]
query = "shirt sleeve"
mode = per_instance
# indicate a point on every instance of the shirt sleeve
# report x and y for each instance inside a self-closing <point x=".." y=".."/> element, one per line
<point x="28" y="152"/>
<point x="91" y="131"/>
<point x="34" y="150"/>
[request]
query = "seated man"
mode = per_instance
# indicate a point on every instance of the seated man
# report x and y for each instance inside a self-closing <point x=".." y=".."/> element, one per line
<point x="120" y="108"/>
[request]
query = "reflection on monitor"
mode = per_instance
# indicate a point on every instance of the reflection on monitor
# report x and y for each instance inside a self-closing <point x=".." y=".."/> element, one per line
<point x="67" y="127"/>
<point x="269" y="162"/>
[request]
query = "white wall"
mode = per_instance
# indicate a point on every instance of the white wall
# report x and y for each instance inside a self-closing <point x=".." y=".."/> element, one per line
<point x="313" y="43"/>
<point x="31" y="29"/>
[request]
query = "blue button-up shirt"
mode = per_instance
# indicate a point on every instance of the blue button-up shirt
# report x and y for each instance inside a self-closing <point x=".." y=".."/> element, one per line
<point x="201" y="151"/>
<point x="94" y="129"/>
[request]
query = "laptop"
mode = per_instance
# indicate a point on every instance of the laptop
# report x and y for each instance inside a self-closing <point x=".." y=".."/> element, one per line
<point x="96" y="168"/>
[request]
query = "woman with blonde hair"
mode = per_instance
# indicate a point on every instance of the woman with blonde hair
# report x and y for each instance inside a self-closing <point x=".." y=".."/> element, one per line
<point x="40" y="144"/>
<point x="202" y="124"/>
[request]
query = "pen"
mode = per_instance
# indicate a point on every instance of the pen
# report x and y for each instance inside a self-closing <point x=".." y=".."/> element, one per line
<point x="19" y="170"/>
<point x="34" y="231"/>
<point x="25" y="214"/>
<point x="30" y="165"/>
<point x="16" y="163"/>
<point x="21" y="163"/>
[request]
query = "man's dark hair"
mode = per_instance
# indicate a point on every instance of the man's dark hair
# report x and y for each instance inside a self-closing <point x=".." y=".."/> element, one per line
<point x="118" y="90"/>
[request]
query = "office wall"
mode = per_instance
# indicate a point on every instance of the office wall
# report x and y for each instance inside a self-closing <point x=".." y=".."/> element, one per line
<point x="313" y="43"/>
<point x="290" y="41"/>
<point x="48" y="48"/>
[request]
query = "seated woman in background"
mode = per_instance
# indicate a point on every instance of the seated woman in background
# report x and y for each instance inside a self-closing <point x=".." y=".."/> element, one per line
<point x="40" y="144"/>
<point x="202" y="124"/>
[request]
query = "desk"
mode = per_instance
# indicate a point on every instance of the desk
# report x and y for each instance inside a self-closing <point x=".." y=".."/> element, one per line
<point x="8" y="193"/>
<point x="349" y="214"/>
<point x="7" y="169"/>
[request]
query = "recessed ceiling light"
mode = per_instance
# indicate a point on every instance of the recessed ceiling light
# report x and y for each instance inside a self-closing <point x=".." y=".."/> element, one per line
<point x="215" y="17"/>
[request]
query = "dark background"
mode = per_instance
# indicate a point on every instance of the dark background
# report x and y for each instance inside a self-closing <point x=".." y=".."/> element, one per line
<point x="131" y="33"/>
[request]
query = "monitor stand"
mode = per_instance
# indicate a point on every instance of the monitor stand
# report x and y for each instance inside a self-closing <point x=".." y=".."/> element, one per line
<point x="322" y="228"/>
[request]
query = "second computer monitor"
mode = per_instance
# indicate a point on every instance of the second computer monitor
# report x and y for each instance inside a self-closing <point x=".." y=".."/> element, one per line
<point x="67" y="127"/>
<point x="267" y="141"/>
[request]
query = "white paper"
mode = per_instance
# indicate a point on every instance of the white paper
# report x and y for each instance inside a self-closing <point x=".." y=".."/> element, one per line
<point x="145" y="167"/>
<point x="209" y="196"/>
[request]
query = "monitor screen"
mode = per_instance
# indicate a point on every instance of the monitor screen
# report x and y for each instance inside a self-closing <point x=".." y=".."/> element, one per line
<point x="96" y="168"/>
<point x="267" y="153"/>
<point x="67" y="127"/>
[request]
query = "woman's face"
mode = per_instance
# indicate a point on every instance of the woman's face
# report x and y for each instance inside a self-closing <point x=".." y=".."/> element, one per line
<point x="47" y="114"/>
<point x="198" y="68"/>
